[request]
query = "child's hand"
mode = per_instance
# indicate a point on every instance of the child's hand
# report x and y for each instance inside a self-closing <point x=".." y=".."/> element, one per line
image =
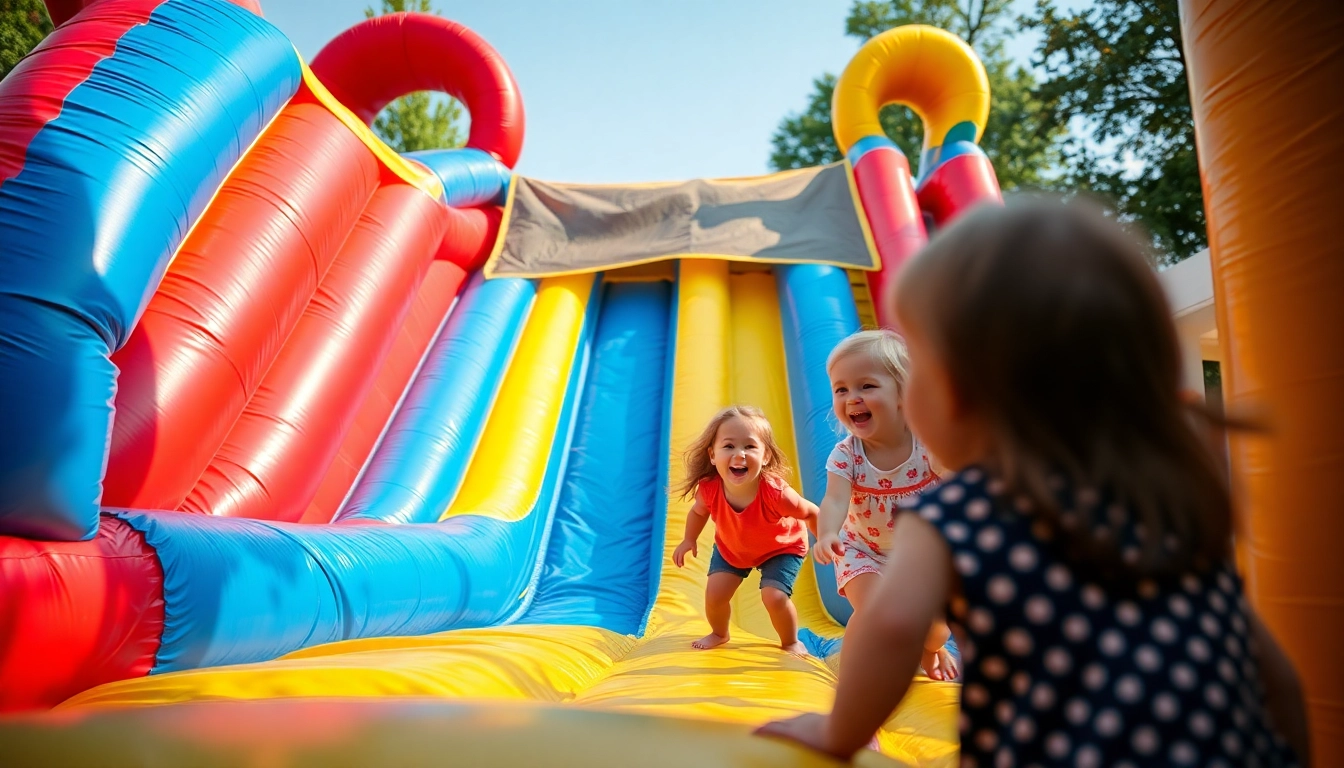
<point x="808" y="730"/>
<point x="828" y="549"/>
<point x="686" y="545"/>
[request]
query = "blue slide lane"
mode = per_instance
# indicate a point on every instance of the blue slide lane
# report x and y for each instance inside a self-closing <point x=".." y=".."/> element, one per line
<point x="418" y="467"/>
<point x="817" y="308"/>
<point x="238" y="591"/>
<point x="597" y="568"/>
<point x="108" y="191"/>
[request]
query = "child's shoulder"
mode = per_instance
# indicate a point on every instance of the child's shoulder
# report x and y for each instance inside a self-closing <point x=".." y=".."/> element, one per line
<point x="845" y="454"/>
<point x="709" y="486"/>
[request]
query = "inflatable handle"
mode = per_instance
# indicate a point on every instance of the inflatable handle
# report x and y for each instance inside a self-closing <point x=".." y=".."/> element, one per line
<point x="387" y="57"/>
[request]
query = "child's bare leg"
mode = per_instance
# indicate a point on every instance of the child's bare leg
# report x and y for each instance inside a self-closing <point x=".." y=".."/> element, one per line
<point x="718" y="608"/>
<point x="859" y="588"/>
<point x="784" y="617"/>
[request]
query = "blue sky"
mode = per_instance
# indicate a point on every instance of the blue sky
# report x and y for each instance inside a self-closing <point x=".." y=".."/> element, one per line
<point x="636" y="90"/>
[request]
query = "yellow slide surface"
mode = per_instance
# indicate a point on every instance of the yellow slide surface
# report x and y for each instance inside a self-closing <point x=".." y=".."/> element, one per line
<point x="728" y="349"/>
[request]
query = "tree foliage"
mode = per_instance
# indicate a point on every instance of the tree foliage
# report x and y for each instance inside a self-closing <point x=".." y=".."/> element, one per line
<point x="23" y="24"/>
<point x="1119" y="68"/>
<point x="420" y="120"/>
<point x="1021" y="145"/>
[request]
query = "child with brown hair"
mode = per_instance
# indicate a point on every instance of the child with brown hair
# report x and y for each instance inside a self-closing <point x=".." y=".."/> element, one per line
<point x="1083" y="546"/>
<point x="736" y="473"/>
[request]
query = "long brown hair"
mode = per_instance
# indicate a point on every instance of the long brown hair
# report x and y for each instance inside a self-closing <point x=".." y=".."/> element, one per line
<point x="698" y="468"/>
<point x="1055" y="331"/>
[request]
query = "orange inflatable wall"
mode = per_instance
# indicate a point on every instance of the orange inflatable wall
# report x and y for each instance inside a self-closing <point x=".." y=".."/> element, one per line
<point x="1267" y="85"/>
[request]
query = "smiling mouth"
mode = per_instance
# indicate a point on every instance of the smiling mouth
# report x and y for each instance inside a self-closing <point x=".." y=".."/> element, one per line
<point x="738" y="471"/>
<point x="861" y="418"/>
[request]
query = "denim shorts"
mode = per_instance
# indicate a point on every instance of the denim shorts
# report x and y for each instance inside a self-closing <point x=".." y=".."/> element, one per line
<point x="778" y="572"/>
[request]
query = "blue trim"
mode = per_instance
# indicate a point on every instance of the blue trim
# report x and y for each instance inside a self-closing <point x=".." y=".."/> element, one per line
<point x="108" y="191"/>
<point x="869" y="144"/>
<point x="597" y="567"/>
<point x="960" y="140"/>
<point x="818" y="312"/>
<point x="417" y="470"/>
<point x="471" y="177"/>
<point x="658" y="539"/>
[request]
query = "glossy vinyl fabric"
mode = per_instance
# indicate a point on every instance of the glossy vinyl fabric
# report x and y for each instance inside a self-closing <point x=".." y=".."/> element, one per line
<point x="435" y="54"/>
<point x="722" y="351"/>
<point x="1271" y="159"/>
<point x="417" y="470"/>
<point x="817" y="311"/>
<point x="597" y="570"/>
<point x="279" y="449"/>
<point x="246" y="590"/>
<point x="411" y="733"/>
<point x="939" y="77"/>
<point x="425" y="322"/>
<point x="230" y="300"/>
<point x="470" y="176"/>
<point x="76" y="614"/>
<point x="140" y="144"/>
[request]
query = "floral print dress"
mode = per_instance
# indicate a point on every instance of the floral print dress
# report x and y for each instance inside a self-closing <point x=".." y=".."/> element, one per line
<point x="874" y="501"/>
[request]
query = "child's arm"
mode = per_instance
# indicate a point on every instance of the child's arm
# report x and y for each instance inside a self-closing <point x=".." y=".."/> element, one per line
<point x="798" y="507"/>
<point x="831" y="516"/>
<point x="695" y="523"/>
<point x="1283" y="691"/>
<point x="937" y="661"/>
<point x="882" y="645"/>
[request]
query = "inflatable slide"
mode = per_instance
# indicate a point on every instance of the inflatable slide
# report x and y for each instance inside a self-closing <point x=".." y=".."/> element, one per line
<point x="319" y="453"/>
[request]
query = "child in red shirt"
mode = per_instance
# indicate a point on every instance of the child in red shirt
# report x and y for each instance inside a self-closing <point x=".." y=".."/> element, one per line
<point x="736" y="472"/>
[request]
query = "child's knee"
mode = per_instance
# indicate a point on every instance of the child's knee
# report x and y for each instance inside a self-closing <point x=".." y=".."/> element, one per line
<point x="774" y="598"/>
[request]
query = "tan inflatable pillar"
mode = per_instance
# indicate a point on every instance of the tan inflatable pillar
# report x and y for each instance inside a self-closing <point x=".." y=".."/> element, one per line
<point x="1267" y="85"/>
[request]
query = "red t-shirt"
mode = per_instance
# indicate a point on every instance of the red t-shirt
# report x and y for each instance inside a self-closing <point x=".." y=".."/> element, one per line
<point x="772" y="524"/>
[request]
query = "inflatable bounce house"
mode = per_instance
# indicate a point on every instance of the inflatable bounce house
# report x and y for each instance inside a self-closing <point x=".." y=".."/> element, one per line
<point x="317" y="453"/>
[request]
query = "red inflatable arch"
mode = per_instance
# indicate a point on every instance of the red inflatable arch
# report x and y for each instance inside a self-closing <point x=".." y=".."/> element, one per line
<point x="381" y="59"/>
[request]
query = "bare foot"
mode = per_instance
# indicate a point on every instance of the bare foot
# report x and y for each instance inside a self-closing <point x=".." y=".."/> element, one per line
<point x="709" y="641"/>
<point x="796" y="648"/>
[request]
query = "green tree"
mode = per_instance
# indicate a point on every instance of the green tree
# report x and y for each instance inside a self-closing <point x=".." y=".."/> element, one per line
<point x="23" y="24"/>
<point x="1022" y="147"/>
<point x="420" y="120"/>
<point x="1119" y="67"/>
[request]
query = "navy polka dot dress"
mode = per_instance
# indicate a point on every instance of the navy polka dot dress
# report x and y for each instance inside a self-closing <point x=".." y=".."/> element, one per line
<point x="1058" y="672"/>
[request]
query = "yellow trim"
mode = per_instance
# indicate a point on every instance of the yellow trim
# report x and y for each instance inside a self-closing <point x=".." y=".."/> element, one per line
<point x="503" y="229"/>
<point x="506" y="470"/>
<point x="862" y="213"/>
<point x="412" y="173"/>
<point x="683" y="257"/>
<point x="933" y="72"/>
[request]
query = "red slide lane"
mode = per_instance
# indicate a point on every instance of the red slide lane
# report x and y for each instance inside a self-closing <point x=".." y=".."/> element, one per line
<point x="234" y="293"/>
<point x="468" y="241"/>
<point x="75" y="614"/>
<point x="432" y="302"/>
<point x="273" y="461"/>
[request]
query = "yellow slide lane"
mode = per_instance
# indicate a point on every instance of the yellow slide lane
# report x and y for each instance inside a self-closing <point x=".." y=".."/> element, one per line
<point x="506" y="471"/>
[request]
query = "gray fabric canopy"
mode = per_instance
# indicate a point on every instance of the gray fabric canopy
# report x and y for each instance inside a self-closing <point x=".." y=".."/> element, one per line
<point x="809" y="215"/>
